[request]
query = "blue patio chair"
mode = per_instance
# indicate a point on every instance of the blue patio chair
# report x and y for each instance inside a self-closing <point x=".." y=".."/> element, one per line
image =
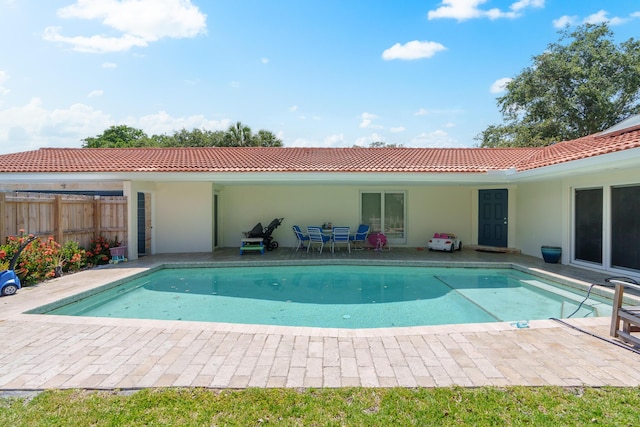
<point x="316" y="236"/>
<point x="360" y="236"/>
<point x="340" y="235"/>
<point x="300" y="236"/>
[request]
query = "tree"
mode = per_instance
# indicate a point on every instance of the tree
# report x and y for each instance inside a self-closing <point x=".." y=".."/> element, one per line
<point x="381" y="144"/>
<point x="195" y="138"/>
<point x="571" y="90"/>
<point x="117" y="137"/>
<point x="237" y="135"/>
<point x="265" y="138"/>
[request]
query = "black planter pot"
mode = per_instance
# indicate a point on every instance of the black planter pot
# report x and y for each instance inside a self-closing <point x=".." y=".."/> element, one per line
<point x="551" y="254"/>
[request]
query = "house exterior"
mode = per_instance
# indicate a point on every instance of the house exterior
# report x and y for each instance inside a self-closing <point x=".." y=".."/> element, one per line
<point x="582" y="195"/>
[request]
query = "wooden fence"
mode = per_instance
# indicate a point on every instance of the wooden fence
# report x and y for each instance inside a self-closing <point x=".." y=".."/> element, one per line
<point x="63" y="216"/>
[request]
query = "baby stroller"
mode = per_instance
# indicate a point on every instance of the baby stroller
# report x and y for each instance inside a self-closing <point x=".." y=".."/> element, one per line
<point x="265" y="233"/>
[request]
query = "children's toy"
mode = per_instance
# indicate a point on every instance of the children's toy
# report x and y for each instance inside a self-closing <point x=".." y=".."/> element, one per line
<point x="378" y="241"/>
<point x="444" y="242"/>
<point x="9" y="280"/>
<point x="117" y="254"/>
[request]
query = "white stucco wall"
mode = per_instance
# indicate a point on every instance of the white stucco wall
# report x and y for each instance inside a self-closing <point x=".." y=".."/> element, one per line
<point x="182" y="217"/>
<point x="541" y="210"/>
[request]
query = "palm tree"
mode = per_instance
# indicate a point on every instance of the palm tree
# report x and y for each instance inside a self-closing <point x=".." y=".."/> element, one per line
<point x="239" y="135"/>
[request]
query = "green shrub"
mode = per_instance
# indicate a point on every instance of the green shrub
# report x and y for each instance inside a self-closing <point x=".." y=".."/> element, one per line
<point x="41" y="259"/>
<point x="99" y="253"/>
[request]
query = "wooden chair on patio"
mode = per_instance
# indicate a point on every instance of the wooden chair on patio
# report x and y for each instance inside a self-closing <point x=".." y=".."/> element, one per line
<point x="629" y="316"/>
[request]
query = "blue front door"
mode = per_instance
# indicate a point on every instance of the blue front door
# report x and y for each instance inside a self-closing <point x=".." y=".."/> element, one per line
<point x="492" y="223"/>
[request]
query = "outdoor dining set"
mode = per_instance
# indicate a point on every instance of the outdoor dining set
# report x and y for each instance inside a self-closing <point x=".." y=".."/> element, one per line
<point x="333" y="236"/>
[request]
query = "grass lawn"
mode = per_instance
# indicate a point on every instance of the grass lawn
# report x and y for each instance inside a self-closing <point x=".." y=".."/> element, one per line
<point x="490" y="406"/>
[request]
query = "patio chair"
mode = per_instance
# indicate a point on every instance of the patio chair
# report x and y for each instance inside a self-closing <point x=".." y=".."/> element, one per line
<point x="316" y="236"/>
<point x="360" y="237"/>
<point x="340" y="235"/>
<point x="300" y="236"/>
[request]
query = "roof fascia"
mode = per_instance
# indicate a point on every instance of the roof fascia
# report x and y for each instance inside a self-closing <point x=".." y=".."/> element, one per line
<point x="278" y="178"/>
<point x="619" y="160"/>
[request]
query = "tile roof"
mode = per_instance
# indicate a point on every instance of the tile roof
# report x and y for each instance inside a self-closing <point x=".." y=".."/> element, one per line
<point x="582" y="148"/>
<point x="260" y="159"/>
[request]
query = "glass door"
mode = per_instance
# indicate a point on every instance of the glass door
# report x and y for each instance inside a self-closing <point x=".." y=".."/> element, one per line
<point x="588" y="225"/>
<point x="384" y="211"/>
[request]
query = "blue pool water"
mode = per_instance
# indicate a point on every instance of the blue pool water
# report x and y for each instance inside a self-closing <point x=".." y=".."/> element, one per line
<point x="338" y="296"/>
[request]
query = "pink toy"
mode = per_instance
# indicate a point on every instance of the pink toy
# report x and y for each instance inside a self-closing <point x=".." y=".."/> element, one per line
<point x="379" y="240"/>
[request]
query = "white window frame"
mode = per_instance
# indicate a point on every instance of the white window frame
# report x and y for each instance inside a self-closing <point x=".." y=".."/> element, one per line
<point x="382" y="194"/>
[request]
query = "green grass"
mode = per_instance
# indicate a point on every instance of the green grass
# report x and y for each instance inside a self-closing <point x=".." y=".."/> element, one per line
<point x="490" y="406"/>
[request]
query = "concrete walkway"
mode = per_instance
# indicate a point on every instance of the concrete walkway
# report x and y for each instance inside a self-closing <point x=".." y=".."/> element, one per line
<point x="45" y="351"/>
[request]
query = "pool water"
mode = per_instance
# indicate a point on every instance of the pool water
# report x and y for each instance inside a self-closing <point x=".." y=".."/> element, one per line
<point x="338" y="296"/>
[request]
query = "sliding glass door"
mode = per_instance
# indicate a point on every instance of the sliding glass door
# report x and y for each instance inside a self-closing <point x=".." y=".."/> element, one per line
<point x="607" y="227"/>
<point x="384" y="211"/>
<point x="625" y="227"/>
<point x="588" y="225"/>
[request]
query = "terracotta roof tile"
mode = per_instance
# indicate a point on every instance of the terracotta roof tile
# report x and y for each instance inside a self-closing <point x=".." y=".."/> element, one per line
<point x="260" y="159"/>
<point x="582" y="148"/>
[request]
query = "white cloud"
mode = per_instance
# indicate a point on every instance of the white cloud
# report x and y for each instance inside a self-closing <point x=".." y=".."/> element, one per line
<point x="412" y="50"/>
<point x="94" y="93"/>
<point x="463" y="10"/>
<point x="109" y="65"/>
<point x="300" y="142"/>
<point x="421" y="112"/>
<point x="94" y="44"/>
<point x="264" y="60"/>
<point x="500" y="85"/>
<point x="139" y="21"/>
<point x="234" y="84"/>
<point x="522" y="4"/>
<point x="601" y="17"/>
<point x="397" y="129"/>
<point x="336" y="140"/>
<point x="32" y="126"/>
<point x="565" y="21"/>
<point x="365" y="141"/>
<point x="435" y="139"/>
<point x="162" y="123"/>
<point x="367" y="119"/>
<point x="293" y="108"/>
<point x="3" y="78"/>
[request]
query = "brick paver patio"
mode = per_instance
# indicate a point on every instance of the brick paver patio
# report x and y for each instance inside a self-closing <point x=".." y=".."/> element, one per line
<point x="45" y="351"/>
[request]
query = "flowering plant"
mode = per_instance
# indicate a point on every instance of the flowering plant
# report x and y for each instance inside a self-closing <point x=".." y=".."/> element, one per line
<point x="41" y="259"/>
<point x="99" y="252"/>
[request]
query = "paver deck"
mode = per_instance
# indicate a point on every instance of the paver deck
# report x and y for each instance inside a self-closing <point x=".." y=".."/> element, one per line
<point x="46" y="351"/>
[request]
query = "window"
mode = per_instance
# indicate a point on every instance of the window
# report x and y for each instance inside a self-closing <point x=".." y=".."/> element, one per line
<point x="384" y="211"/>
<point x="588" y="225"/>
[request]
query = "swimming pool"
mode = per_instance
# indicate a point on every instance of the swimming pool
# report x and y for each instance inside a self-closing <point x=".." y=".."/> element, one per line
<point x="343" y="296"/>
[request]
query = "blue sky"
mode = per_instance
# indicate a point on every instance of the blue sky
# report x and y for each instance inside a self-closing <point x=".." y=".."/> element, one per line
<point x="317" y="73"/>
